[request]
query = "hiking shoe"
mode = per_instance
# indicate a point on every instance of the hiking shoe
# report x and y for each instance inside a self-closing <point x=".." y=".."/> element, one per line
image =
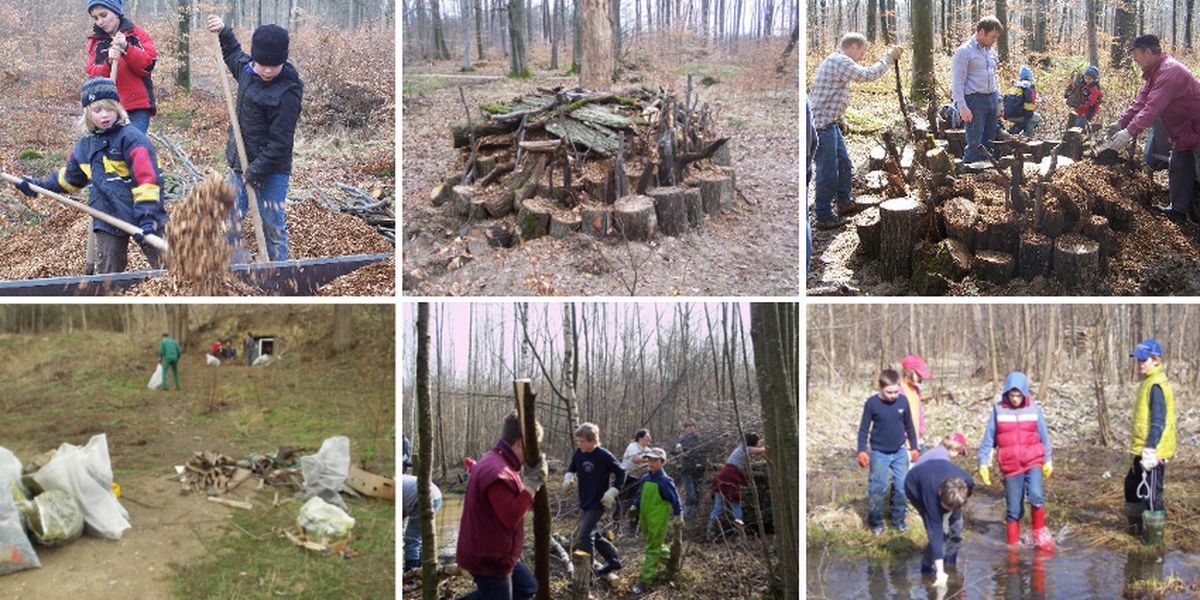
<point x="848" y="209"/>
<point x="640" y="588"/>
<point x="902" y="528"/>
<point x="609" y="568"/>
<point x="830" y="223"/>
<point x="1175" y="216"/>
<point x="878" y="531"/>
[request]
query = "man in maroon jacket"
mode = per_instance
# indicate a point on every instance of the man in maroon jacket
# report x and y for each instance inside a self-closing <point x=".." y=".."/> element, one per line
<point x="492" y="529"/>
<point x="1171" y="93"/>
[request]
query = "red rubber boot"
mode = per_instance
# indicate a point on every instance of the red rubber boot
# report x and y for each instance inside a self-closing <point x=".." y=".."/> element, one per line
<point x="1014" y="533"/>
<point x="1042" y="537"/>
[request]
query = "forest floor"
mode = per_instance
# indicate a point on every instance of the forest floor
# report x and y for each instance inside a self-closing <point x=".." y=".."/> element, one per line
<point x="346" y="135"/>
<point x="1173" y="268"/>
<point x="66" y="387"/>
<point x="752" y="251"/>
<point x="732" y="568"/>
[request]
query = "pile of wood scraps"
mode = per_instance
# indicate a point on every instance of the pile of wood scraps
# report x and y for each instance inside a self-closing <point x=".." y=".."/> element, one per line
<point x="215" y="474"/>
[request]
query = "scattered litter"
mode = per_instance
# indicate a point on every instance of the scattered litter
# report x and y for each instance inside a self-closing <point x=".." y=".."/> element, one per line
<point x="231" y="503"/>
<point x="324" y="524"/>
<point x="16" y="553"/>
<point x="326" y="471"/>
<point x="370" y="484"/>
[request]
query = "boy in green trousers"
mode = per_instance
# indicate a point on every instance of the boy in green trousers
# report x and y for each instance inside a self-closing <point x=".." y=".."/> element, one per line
<point x="656" y="504"/>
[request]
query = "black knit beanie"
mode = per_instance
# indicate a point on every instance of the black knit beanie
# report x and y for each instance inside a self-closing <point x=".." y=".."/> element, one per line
<point x="98" y="88"/>
<point x="269" y="45"/>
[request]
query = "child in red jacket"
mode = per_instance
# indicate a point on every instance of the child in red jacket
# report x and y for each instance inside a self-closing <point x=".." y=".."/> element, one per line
<point x="115" y="36"/>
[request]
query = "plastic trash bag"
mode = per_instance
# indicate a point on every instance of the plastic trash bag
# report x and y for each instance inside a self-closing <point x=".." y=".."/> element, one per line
<point x="261" y="360"/>
<point x="326" y="471"/>
<point x="156" y="378"/>
<point x="53" y="518"/>
<point x="323" y="522"/>
<point x="212" y="361"/>
<point x="86" y="474"/>
<point x="10" y="471"/>
<point x="16" y="553"/>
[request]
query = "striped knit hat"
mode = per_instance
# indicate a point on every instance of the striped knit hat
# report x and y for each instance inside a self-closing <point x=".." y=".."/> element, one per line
<point x="98" y="88"/>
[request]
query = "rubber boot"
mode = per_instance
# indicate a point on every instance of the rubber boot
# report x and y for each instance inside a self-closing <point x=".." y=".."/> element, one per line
<point x="1014" y="533"/>
<point x="1042" y="538"/>
<point x="1133" y="517"/>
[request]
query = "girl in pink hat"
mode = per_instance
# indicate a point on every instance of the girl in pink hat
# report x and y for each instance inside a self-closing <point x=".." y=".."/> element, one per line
<point x="915" y="372"/>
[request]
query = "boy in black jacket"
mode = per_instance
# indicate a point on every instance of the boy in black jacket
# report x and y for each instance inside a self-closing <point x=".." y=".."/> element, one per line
<point x="268" y="107"/>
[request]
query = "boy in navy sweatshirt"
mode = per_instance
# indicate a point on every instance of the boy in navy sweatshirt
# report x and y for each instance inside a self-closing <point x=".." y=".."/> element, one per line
<point x="938" y="489"/>
<point x="887" y="422"/>
<point x="599" y="476"/>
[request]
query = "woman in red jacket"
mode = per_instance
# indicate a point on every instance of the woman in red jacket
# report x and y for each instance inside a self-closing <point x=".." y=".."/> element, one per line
<point x="115" y="36"/>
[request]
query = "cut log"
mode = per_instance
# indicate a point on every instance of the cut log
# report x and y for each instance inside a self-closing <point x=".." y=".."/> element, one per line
<point x="461" y="132"/>
<point x="581" y="583"/>
<point x="1097" y="229"/>
<point x="599" y="139"/>
<point x="634" y="218"/>
<point x="877" y="159"/>
<point x="900" y="220"/>
<point x="992" y="266"/>
<point x="732" y="175"/>
<point x="477" y="210"/>
<point x="723" y="156"/>
<point x="598" y="115"/>
<point x="1002" y="236"/>
<point x="1054" y="217"/>
<point x="462" y="195"/>
<point x="956" y="141"/>
<point x="867" y="225"/>
<point x="1072" y="144"/>
<point x="595" y="219"/>
<point x="935" y="266"/>
<point x="1077" y="261"/>
<point x="716" y="193"/>
<point x="1033" y="255"/>
<point x="960" y="216"/>
<point x="670" y="208"/>
<point x="938" y="162"/>
<point x="695" y="207"/>
<point x="1120" y="212"/>
<point x="533" y="220"/>
<point x="563" y="223"/>
<point x="876" y="182"/>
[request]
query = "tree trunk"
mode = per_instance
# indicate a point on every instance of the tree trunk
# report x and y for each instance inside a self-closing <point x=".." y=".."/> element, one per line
<point x="596" y="68"/>
<point x="343" y="327"/>
<point x="577" y="36"/>
<point x="922" y="50"/>
<point x="517" y="65"/>
<point x="1093" y="48"/>
<point x="570" y="366"/>
<point x="1002" y="15"/>
<point x="465" y="7"/>
<point x="872" y="14"/>
<point x="479" y="29"/>
<point x="429" y="587"/>
<point x="440" y="50"/>
<point x="555" y="32"/>
<point x="183" y="72"/>
<point x="526" y="406"/>
<point x="1124" y="29"/>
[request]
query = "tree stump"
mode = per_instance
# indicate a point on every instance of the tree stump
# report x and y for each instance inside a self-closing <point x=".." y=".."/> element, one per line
<point x="877" y="159"/>
<point x="533" y="220"/>
<point x="1033" y="255"/>
<point x="956" y="141"/>
<point x="1120" y="212"/>
<point x="938" y="161"/>
<point x="563" y="223"/>
<point x="995" y="267"/>
<point x="1076" y="261"/>
<point x="1072" y="144"/>
<point x="1097" y="229"/>
<point x="727" y="202"/>
<point x="935" y="266"/>
<point x="960" y="216"/>
<point x="899" y="222"/>
<point x="634" y="218"/>
<point x="670" y="208"/>
<point x="723" y="156"/>
<point x="461" y="198"/>
<point x="716" y="193"/>
<point x="594" y="219"/>
<point x="1054" y="217"/>
<point x="867" y="225"/>
<point x="695" y="207"/>
<point x="1002" y="235"/>
<point x="582" y="580"/>
<point x="875" y="182"/>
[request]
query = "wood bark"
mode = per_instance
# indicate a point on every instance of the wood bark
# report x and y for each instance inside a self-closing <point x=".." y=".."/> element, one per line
<point x="867" y="226"/>
<point x="533" y="220"/>
<point x="596" y="46"/>
<point x="1076" y="261"/>
<point x="595" y="219"/>
<point x="1034" y="255"/>
<point x="424" y="462"/>
<point x="634" y="218"/>
<point x="899" y="222"/>
<point x="960" y="217"/>
<point x="526" y="406"/>
<point x="564" y="223"/>
<point x="670" y="208"/>
<point x="992" y="266"/>
<point x="716" y="193"/>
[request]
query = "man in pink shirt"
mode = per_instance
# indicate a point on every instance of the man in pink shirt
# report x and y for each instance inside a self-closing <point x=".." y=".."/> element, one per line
<point x="915" y="372"/>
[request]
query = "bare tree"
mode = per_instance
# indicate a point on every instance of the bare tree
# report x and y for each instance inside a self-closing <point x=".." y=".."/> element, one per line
<point x="595" y="72"/>
<point x="429" y="589"/>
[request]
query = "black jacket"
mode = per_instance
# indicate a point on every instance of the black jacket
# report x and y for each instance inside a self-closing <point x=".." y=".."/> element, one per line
<point x="267" y="112"/>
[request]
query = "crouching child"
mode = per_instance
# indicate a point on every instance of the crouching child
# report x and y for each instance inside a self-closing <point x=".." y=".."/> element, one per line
<point x="938" y="488"/>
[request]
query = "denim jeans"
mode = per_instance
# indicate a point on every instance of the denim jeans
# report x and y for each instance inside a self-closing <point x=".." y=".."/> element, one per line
<point x="588" y="536"/>
<point x="1027" y="125"/>
<point x="691" y="491"/>
<point x="140" y="118"/>
<point x="518" y="586"/>
<point x="950" y="548"/>
<point x="1182" y="172"/>
<point x="985" y="108"/>
<point x="270" y="207"/>
<point x="718" y="508"/>
<point x="882" y="464"/>
<point x="1017" y="487"/>
<point x="834" y="171"/>
<point x="412" y="538"/>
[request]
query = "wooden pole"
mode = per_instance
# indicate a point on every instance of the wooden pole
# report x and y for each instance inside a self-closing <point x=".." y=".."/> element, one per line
<point x="150" y="238"/>
<point x="259" y="236"/>
<point x="526" y="407"/>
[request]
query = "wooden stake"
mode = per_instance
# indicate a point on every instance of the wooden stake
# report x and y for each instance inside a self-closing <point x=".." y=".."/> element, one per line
<point x="259" y="236"/>
<point x="526" y="407"/>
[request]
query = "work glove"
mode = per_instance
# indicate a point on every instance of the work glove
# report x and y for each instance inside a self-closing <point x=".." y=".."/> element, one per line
<point x="941" y="578"/>
<point x="864" y="459"/>
<point x="984" y="476"/>
<point x="633" y="513"/>
<point x="1047" y="469"/>
<point x="24" y="188"/>
<point x="913" y="455"/>
<point x="147" y="229"/>
<point x="1117" y="142"/>
<point x="534" y="477"/>
<point x="568" y="481"/>
<point x="1149" y="459"/>
<point x="677" y="521"/>
<point x="255" y="176"/>
<point x="609" y="496"/>
<point x="677" y="449"/>
<point x="1112" y="128"/>
<point x="897" y="52"/>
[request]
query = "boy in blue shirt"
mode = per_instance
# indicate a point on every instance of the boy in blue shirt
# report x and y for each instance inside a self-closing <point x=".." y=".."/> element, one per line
<point x="887" y="422"/>
<point x="598" y="475"/>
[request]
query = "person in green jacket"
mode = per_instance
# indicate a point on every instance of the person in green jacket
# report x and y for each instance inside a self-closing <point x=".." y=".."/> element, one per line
<point x="656" y="501"/>
<point x="168" y="353"/>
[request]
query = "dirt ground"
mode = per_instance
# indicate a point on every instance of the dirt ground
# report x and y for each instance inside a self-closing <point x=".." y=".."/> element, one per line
<point x="752" y="251"/>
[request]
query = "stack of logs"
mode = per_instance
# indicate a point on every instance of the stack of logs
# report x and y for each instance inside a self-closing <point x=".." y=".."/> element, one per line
<point x="1029" y="211"/>
<point x="631" y="164"/>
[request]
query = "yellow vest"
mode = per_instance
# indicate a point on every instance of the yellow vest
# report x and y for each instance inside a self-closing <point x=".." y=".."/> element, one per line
<point x="1141" y="415"/>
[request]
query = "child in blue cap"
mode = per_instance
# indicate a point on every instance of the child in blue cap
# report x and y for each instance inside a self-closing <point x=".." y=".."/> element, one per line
<point x="1020" y="104"/>
<point x="1153" y="434"/>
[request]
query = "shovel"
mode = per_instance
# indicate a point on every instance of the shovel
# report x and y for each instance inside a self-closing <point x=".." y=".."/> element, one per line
<point x="150" y="238"/>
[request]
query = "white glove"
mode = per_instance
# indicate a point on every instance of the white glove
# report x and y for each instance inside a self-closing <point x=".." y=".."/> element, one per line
<point x="1112" y="128"/>
<point x="609" y="496"/>
<point x="897" y="53"/>
<point x="1118" y="141"/>
<point x="1149" y="459"/>
<point x="533" y="478"/>
<point x="568" y="481"/>
<point x="677" y="449"/>
<point x="942" y="578"/>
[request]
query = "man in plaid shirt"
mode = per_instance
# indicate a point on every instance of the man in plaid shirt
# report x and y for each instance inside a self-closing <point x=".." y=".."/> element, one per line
<point x="830" y="95"/>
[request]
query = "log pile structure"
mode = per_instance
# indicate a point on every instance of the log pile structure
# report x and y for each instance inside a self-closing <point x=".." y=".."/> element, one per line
<point x="630" y="165"/>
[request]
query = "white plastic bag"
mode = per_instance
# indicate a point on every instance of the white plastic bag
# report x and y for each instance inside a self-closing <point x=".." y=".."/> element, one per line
<point x="261" y="360"/>
<point x="326" y="471"/>
<point x="324" y="523"/>
<point x="53" y="518"/>
<point x="212" y="361"/>
<point x="156" y="378"/>
<point x="86" y="474"/>
<point x="10" y="471"/>
<point x="16" y="553"/>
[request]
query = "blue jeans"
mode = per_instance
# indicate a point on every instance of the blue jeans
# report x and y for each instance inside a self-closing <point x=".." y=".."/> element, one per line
<point x="834" y="171"/>
<point x="950" y="548"/>
<point x="691" y="491"/>
<point x="883" y="463"/>
<point x="985" y="109"/>
<point x="1017" y="487"/>
<point x="140" y="118"/>
<point x="718" y="508"/>
<point x="518" y="586"/>
<point x="589" y="537"/>
<point x="270" y="207"/>
<point x="1026" y="125"/>
<point x="412" y="538"/>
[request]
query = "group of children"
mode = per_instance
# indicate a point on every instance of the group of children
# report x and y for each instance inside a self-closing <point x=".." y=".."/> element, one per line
<point x="1019" y="104"/>
<point x="117" y="162"/>
<point x="1016" y="430"/>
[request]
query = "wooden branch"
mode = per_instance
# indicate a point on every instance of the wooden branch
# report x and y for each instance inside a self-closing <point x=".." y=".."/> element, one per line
<point x="542" y="146"/>
<point x="471" y="137"/>
<point x="526" y="407"/>
<point x="231" y="503"/>
<point x="496" y="172"/>
<point x="191" y="167"/>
